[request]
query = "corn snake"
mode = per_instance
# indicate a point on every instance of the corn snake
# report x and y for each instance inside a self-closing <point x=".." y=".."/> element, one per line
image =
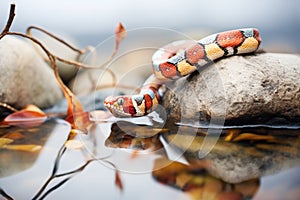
<point x="178" y="59"/>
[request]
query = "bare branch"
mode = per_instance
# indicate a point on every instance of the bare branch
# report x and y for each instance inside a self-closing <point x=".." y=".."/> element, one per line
<point x="75" y="109"/>
<point x="5" y="105"/>
<point x="28" y="32"/>
<point x="9" y="21"/>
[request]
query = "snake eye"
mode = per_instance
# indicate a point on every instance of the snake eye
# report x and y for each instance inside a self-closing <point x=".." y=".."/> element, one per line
<point x="120" y="101"/>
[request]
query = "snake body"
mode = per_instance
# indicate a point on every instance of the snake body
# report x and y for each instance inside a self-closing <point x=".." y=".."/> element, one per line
<point x="178" y="59"/>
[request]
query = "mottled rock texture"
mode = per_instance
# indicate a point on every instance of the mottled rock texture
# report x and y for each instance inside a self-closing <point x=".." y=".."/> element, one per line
<point x="252" y="89"/>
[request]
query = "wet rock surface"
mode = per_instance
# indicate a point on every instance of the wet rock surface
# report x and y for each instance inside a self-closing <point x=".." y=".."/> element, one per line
<point x="25" y="78"/>
<point x="251" y="89"/>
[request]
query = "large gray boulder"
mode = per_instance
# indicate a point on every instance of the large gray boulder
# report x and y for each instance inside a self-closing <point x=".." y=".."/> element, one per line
<point x="25" y="78"/>
<point x="251" y="89"/>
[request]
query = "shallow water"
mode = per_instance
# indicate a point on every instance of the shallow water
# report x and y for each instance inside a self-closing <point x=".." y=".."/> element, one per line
<point x="135" y="150"/>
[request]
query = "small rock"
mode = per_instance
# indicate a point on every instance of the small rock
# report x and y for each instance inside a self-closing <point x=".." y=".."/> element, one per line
<point x="25" y="78"/>
<point x="253" y="89"/>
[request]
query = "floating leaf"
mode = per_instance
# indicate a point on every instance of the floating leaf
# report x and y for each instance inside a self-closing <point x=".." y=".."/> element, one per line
<point x="5" y="141"/>
<point x="252" y="136"/>
<point x="24" y="147"/>
<point x="231" y="134"/>
<point x="14" y="135"/>
<point x="118" y="181"/>
<point x="183" y="178"/>
<point x="27" y="117"/>
<point x="34" y="108"/>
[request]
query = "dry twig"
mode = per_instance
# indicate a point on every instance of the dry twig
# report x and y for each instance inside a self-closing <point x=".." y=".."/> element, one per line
<point x="74" y="105"/>
<point x="9" y="107"/>
<point x="9" y="21"/>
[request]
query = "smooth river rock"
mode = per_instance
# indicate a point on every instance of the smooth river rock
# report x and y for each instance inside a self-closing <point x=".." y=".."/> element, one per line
<point x="262" y="88"/>
<point x="25" y="78"/>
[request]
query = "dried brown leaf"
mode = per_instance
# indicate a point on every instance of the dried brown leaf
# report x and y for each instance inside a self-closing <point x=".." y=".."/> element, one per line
<point x="24" y="147"/>
<point x="231" y="134"/>
<point x="79" y="121"/>
<point x="5" y="141"/>
<point x="120" y="33"/>
<point x="14" y="135"/>
<point x="252" y="136"/>
<point x="27" y="117"/>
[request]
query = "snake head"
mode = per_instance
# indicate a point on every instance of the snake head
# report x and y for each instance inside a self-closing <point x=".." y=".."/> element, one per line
<point x="120" y="106"/>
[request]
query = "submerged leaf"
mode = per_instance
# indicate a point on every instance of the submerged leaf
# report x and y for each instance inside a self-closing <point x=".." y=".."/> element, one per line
<point x="252" y="136"/>
<point x="5" y="141"/>
<point x="27" y="117"/>
<point x="231" y="134"/>
<point x="14" y="135"/>
<point x="23" y="147"/>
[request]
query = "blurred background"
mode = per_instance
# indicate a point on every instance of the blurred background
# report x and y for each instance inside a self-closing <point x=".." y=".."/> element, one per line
<point x="92" y="21"/>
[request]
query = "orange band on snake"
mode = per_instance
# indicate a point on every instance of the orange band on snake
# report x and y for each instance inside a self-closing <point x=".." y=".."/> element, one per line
<point x="179" y="59"/>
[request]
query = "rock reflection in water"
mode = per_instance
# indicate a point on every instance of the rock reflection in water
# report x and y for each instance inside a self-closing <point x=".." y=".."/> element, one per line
<point x="196" y="181"/>
<point x="244" y="154"/>
<point x="131" y="136"/>
<point x="232" y="170"/>
<point x="236" y="168"/>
